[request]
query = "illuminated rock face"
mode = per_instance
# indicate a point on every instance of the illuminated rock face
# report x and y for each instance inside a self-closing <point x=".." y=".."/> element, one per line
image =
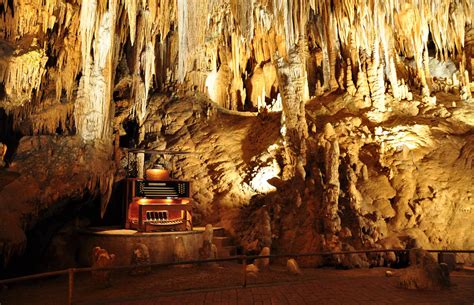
<point x="370" y="145"/>
<point x="366" y="186"/>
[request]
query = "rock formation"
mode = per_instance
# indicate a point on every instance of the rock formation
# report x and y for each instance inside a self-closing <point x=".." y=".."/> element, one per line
<point x="82" y="80"/>
<point x="252" y="270"/>
<point x="140" y="258"/>
<point x="292" y="267"/>
<point x="424" y="272"/>
<point x="102" y="259"/>
<point x="263" y="263"/>
<point x="208" y="249"/>
<point x="3" y="152"/>
<point x="332" y="223"/>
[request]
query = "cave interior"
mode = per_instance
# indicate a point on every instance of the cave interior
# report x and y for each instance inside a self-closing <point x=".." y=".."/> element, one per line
<point x="312" y="125"/>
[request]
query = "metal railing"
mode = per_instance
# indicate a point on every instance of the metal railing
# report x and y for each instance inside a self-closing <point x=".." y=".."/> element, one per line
<point x="244" y="258"/>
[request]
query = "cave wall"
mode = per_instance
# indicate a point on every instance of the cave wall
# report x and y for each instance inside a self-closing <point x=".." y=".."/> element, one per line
<point x="387" y="185"/>
<point x="364" y="130"/>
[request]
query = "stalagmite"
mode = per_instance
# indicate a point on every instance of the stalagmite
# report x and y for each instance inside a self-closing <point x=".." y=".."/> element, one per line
<point x="363" y="93"/>
<point x="375" y="78"/>
<point x="349" y="83"/>
<point x="332" y="222"/>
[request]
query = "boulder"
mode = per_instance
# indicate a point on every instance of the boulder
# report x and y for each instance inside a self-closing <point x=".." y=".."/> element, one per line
<point x="263" y="263"/>
<point x="292" y="267"/>
<point x="424" y="272"/>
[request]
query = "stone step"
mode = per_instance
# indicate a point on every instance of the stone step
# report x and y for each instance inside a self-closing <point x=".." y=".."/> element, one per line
<point x="221" y="241"/>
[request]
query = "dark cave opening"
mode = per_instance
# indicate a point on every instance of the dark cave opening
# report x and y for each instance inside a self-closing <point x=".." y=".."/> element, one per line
<point x="130" y="138"/>
<point x="52" y="240"/>
<point x="115" y="213"/>
<point x="8" y="135"/>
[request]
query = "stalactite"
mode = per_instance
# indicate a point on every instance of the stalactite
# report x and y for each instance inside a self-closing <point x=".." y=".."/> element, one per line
<point x="68" y="58"/>
<point x="332" y="51"/>
<point x="183" y="42"/>
<point x="326" y="67"/>
<point x="49" y="120"/>
<point x="389" y="54"/>
<point x="353" y="50"/>
<point x="237" y="86"/>
<point x="132" y="9"/>
<point x="92" y="109"/>
<point x="253" y="31"/>
<point x="21" y="74"/>
<point x="29" y="17"/>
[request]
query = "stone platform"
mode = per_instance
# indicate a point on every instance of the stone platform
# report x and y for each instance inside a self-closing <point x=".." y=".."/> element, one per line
<point x="121" y="242"/>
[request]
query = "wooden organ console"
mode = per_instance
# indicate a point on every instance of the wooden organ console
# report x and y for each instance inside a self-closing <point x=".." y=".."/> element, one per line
<point x="157" y="202"/>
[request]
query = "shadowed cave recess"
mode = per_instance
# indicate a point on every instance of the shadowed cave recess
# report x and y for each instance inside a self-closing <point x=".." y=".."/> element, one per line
<point x="314" y="125"/>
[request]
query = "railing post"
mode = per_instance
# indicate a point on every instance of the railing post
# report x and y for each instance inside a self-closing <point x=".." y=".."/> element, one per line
<point x="71" y="286"/>
<point x="244" y="269"/>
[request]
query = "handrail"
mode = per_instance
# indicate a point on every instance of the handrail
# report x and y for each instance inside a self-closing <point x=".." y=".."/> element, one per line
<point x="244" y="258"/>
<point x="33" y="277"/>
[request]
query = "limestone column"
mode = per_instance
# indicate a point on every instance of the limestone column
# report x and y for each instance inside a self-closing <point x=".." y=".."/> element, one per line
<point x="291" y="75"/>
<point x="330" y="143"/>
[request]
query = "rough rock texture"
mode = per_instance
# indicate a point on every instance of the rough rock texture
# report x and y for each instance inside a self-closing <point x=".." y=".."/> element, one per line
<point x="424" y="272"/>
<point x="81" y="79"/>
<point x="140" y="257"/>
<point x="208" y="249"/>
<point x="367" y="186"/>
<point x="292" y="267"/>
<point x="263" y="263"/>
<point x="46" y="174"/>
<point x="101" y="258"/>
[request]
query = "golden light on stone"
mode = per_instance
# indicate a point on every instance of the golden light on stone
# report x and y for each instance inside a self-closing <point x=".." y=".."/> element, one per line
<point x="359" y="113"/>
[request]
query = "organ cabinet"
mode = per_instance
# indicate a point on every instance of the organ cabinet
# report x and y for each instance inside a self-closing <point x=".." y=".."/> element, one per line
<point x="156" y="201"/>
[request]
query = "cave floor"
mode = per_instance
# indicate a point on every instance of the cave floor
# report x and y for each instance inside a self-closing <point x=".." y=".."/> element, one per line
<point x="221" y="285"/>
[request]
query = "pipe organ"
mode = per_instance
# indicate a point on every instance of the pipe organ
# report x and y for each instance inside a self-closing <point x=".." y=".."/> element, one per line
<point x="158" y="202"/>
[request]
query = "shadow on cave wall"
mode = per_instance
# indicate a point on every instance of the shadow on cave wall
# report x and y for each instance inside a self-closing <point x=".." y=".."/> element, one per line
<point x="262" y="133"/>
<point x="52" y="241"/>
